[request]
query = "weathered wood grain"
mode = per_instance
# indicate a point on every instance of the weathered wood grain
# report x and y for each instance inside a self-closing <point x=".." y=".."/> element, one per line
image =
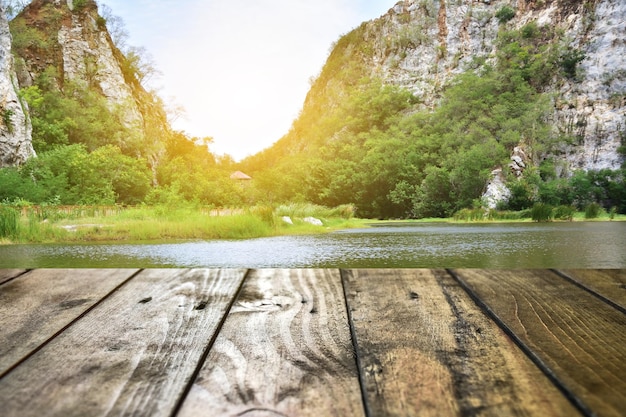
<point x="8" y="274"/>
<point x="285" y="349"/>
<point x="609" y="283"/>
<point x="580" y="338"/>
<point x="134" y="354"/>
<point x="426" y="349"/>
<point x="40" y="303"/>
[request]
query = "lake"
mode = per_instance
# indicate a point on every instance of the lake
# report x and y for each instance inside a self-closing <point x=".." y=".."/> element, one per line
<point x="397" y="245"/>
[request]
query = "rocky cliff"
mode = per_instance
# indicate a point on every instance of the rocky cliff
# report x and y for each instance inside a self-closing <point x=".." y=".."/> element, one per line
<point x="15" y="128"/>
<point x="67" y="42"/>
<point x="78" y="45"/>
<point x="422" y="45"/>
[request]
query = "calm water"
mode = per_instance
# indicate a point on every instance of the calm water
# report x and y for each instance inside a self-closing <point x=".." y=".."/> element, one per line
<point x="536" y="245"/>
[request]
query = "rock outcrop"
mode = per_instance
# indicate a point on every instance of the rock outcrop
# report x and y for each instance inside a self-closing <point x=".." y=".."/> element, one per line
<point x="15" y="128"/>
<point x="496" y="191"/>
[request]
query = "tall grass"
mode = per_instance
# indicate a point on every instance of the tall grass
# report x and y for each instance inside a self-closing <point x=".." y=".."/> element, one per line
<point x="303" y="210"/>
<point x="481" y="214"/>
<point x="36" y="224"/>
<point x="9" y="220"/>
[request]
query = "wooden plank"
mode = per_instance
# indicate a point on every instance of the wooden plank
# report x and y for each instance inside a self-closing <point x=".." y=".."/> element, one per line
<point x="609" y="283"/>
<point x="285" y="349"/>
<point x="578" y="337"/>
<point x="134" y="354"/>
<point x="9" y="274"/>
<point x="426" y="349"/>
<point x="40" y="303"/>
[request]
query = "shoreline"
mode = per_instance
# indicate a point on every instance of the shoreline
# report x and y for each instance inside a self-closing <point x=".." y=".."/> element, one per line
<point x="131" y="232"/>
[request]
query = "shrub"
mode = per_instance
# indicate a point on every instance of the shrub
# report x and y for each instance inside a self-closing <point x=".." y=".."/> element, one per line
<point x="564" y="212"/>
<point x="505" y="14"/>
<point x="530" y="31"/>
<point x="541" y="212"/>
<point x="569" y="61"/>
<point x="7" y="119"/>
<point x="79" y="4"/>
<point x="592" y="211"/>
<point x="467" y="214"/>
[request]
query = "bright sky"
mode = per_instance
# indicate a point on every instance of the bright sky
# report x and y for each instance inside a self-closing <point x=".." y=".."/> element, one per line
<point x="240" y="69"/>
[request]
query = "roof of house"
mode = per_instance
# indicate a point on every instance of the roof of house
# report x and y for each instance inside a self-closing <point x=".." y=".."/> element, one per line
<point x="238" y="175"/>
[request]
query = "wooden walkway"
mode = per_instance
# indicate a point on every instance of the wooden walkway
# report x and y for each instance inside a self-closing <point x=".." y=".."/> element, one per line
<point x="312" y="342"/>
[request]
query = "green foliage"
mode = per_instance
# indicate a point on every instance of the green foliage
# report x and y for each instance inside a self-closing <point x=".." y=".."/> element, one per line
<point x="7" y="119"/>
<point x="530" y="31"/>
<point x="480" y="214"/>
<point x="303" y="210"/>
<point x="592" y="211"/>
<point x="26" y="37"/>
<point x="473" y="214"/>
<point x="72" y="175"/>
<point x="79" y="4"/>
<point x="564" y="212"/>
<point x="189" y="172"/>
<point x="9" y="221"/>
<point x="505" y="13"/>
<point x="137" y="65"/>
<point x="541" y="212"/>
<point x="570" y="59"/>
<point x="522" y="195"/>
<point x="78" y="115"/>
<point x="14" y="186"/>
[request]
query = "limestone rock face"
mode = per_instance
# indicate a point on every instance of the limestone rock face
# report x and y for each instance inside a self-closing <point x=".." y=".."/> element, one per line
<point x="422" y="45"/>
<point x="88" y="56"/>
<point x="15" y="128"/>
<point x="83" y="53"/>
<point x="593" y="110"/>
<point x="74" y="46"/>
<point x="497" y="191"/>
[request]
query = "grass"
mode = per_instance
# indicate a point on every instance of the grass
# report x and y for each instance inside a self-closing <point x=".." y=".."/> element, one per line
<point x="167" y="223"/>
<point x="159" y="223"/>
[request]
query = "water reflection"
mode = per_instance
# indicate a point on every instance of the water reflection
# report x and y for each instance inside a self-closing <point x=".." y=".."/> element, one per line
<point x="526" y="245"/>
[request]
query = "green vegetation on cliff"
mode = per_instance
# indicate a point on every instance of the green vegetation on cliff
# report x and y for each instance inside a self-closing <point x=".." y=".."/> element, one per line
<point x="373" y="145"/>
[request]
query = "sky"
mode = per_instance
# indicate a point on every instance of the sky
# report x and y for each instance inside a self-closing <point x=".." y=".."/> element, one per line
<point x="240" y="69"/>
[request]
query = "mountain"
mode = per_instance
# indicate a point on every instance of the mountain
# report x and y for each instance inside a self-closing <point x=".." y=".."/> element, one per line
<point x="532" y="89"/>
<point x="435" y="107"/>
<point x="423" y="45"/>
<point x="15" y="128"/>
<point x="64" y="47"/>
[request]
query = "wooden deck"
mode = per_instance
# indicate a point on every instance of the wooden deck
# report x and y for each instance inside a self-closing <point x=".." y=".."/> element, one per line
<point x="312" y="342"/>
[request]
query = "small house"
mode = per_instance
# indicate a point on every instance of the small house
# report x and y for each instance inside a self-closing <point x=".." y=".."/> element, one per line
<point x="240" y="176"/>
